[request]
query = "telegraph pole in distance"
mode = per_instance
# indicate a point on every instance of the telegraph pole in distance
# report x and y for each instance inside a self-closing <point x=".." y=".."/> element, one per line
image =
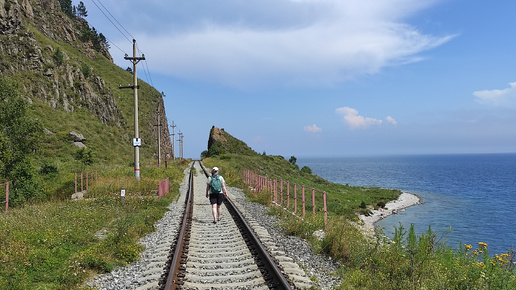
<point x="173" y="141"/>
<point x="137" y="142"/>
<point x="159" y="133"/>
<point x="181" y="145"/>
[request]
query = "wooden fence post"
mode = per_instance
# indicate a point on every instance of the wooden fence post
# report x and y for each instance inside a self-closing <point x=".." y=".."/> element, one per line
<point x="325" y="210"/>
<point x="295" y="197"/>
<point x="303" y="201"/>
<point x="313" y="201"/>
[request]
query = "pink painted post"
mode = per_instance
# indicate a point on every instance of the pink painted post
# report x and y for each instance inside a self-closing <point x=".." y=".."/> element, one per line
<point x="303" y="201"/>
<point x="325" y="211"/>
<point x="275" y="190"/>
<point x="82" y="188"/>
<point x="87" y="179"/>
<point x="313" y="201"/>
<point x="288" y="194"/>
<point x="75" y="182"/>
<point x="281" y="191"/>
<point x="295" y="197"/>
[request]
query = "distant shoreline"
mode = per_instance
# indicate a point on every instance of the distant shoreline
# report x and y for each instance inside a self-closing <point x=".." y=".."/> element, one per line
<point x="405" y="200"/>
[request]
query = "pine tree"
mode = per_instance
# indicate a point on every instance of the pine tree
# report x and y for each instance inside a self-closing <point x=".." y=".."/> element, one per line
<point x="66" y="6"/>
<point x="81" y="10"/>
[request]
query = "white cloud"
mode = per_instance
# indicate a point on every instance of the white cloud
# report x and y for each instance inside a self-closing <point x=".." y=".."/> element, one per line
<point x="355" y="121"/>
<point x="391" y="120"/>
<point x="285" y="41"/>
<point x="312" y="129"/>
<point x="502" y="97"/>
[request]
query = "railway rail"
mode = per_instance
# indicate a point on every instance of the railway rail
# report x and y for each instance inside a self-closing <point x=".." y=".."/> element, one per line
<point x="225" y="255"/>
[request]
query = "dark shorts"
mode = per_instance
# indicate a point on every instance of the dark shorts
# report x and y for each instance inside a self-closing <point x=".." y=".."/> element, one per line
<point x="216" y="198"/>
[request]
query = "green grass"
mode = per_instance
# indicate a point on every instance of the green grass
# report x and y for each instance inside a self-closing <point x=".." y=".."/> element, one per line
<point x="56" y="245"/>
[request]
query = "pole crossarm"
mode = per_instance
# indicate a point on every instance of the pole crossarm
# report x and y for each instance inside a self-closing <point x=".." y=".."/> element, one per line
<point x="129" y="87"/>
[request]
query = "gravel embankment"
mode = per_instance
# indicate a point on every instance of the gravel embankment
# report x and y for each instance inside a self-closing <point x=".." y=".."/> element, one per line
<point x="146" y="272"/>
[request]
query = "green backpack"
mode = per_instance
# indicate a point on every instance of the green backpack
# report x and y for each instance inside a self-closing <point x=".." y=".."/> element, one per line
<point x="216" y="185"/>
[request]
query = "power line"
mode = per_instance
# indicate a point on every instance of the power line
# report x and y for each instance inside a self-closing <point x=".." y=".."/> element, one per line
<point x="115" y="19"/>
<point x="115" y="45"/>
<point x="111" y="20"/>
<point x="145" y="66"/>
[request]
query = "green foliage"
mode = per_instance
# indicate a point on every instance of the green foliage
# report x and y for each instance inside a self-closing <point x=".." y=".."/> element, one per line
<point x="48" y="167"/>
<point x="306" y="170"/>
<point x="410" y="261"/>
<point x="292" y="160"/>
<point x="66" y="7"/>
<point x="19" y="138"/>
<point x="86" y="70"/>
<point x="97" y="39"/>
<point x="81" y="10"/>
<point x="58" y="57"/>
<point x="85" y="156"/>
<point x="215" y="149"/>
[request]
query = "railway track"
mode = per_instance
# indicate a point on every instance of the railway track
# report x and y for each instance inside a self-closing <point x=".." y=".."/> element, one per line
<point x="225" y="255"/>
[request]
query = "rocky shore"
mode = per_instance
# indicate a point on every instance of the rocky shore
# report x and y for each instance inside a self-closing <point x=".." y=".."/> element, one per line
<point x="404" y="201"/>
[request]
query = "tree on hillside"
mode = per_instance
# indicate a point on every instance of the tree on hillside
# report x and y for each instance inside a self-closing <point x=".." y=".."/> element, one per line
<point x="81" y="10"/>
<point x="19" y="138"/>
<point x="66" y="7"/>
<point x="292" y="160"/>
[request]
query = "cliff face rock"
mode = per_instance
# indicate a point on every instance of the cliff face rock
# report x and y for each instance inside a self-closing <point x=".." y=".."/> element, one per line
<point x="220" y="142"/>
<point x="33" y="34"/>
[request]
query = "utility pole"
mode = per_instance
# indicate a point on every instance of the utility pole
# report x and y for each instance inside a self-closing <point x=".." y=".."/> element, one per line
<point x="181" y="145"/>
<point x="173" y="141"/>
<point x="158" y="125"/>
<point x="179" y="142"/>
<point x="137" y="142"/>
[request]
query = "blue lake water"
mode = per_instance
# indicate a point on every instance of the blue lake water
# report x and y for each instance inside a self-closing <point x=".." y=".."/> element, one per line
<point x="473" y="194"/>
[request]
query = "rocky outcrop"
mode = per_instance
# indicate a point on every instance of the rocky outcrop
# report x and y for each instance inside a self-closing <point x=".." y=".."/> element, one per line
<point x="52" y="75"/>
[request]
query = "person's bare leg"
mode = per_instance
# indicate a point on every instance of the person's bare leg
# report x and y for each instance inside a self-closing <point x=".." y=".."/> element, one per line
<point x="219" y="210"/>
<point x="214" y="212"/>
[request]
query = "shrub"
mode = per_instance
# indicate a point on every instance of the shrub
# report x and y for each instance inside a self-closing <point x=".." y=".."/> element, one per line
<point x="58" y="57"/>
<point x="306" y="169"/>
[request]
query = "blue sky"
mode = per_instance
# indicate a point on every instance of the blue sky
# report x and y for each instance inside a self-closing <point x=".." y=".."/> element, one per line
<point x="327" y="77"/>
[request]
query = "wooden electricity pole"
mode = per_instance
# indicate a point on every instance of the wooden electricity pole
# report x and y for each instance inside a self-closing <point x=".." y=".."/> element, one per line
<point x="181" y="145"/>
<point x="173" y="141"/>
<point x="137" y="142"/>
<point x="158" y="125"/>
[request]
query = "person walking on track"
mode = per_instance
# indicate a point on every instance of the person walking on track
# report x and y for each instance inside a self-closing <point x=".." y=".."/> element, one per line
<point x="216" y="191"/>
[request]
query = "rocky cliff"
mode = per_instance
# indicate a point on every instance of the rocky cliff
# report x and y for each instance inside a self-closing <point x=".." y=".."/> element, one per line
<point x="52" y="57"/>
<point x="220" y="142"/>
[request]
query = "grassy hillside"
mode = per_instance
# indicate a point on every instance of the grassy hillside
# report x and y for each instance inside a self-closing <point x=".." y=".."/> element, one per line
<point x="67" y="85"/>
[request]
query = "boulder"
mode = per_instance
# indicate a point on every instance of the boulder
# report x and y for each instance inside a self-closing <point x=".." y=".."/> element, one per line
<point x="77" y="137"/>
